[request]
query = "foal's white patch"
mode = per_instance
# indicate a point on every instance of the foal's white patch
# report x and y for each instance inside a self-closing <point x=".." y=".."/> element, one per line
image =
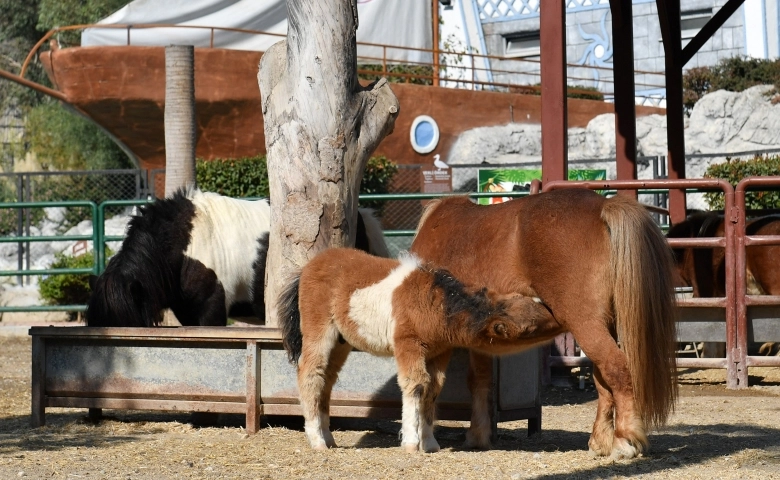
<point x="224" y="238"/>
<point x="371" y="309"/>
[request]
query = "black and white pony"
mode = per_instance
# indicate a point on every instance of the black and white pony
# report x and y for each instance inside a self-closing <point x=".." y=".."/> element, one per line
<point x="200" y="254"/>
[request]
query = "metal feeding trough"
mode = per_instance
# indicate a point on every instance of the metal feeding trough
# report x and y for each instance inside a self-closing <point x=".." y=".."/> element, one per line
<point x="241" y="370"/>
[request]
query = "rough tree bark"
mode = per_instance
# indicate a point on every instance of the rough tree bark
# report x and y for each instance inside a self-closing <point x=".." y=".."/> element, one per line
<point x="320" y="128"/>
<point x="179" y="117"/>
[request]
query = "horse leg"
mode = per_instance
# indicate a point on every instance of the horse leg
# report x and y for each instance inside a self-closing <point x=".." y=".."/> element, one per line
<point x="600" y="442"/>
<point x="437" y="368"/>
<point x="338" y="356"/>
<point x="415" y="382"/>
<point x="312" y="383"/>
<point x="480" y="382"/>
<point x="202" y="301"/>
<point x="623" y="437"/>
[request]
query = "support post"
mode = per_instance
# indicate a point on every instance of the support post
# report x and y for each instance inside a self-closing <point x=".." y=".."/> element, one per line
<point x="553" y="70"/>
<point x="669" y="18"/>
<point x="625" y="91"/>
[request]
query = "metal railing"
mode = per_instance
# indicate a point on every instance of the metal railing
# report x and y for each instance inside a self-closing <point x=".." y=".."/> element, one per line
<point x="734" y="305"/>
<point x="481" y="77"/>
<point x="24" y="244"/>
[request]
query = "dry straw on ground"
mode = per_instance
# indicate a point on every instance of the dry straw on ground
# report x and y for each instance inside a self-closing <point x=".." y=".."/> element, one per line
<point x="714" y="433"/>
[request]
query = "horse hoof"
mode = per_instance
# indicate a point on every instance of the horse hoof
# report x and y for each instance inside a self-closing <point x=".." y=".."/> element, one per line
<point x="410" y="448"/>
<point x="320" y="447"/>
<point x="622" y="449"/>
<point x="476" y="442"/>
<point x="431" y="447"/>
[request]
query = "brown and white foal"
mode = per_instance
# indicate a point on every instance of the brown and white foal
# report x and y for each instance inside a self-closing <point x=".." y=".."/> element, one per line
<point x="345" y="298"/>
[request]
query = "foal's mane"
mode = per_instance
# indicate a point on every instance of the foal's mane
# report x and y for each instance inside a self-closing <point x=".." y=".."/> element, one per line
<point x="458" y="299"/>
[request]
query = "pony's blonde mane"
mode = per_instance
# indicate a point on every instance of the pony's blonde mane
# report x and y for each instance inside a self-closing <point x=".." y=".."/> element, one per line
<point x="408" y="259"/>
<point x="432" y="205"/>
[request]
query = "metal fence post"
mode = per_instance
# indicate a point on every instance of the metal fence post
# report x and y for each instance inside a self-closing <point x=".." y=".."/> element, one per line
<point x="19" y="230"/>
<point x="27" y="216"/>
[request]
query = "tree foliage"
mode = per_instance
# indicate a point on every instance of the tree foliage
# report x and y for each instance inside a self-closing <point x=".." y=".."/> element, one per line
<point x="66" y="141"/>
<point x="57" y="136"/>
<point x="735" y="170"/>
<point x="58" y="13"/>
<point x="18" y="35"/>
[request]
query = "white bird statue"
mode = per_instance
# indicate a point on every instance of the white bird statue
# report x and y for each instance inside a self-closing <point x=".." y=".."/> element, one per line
<point x="438" y="163"/>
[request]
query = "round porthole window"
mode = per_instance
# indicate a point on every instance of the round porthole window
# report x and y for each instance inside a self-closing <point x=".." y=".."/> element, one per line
<point x="424" y="134"/>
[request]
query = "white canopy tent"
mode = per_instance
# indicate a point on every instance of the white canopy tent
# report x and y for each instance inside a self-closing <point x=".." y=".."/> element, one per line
<point x="402" y="23"/>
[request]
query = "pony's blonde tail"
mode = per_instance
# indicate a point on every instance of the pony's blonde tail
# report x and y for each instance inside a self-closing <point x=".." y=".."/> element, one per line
<point x="643" y="303"/>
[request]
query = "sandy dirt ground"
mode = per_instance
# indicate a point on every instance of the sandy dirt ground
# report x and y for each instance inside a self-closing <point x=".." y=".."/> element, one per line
<point x="714" y="433"/>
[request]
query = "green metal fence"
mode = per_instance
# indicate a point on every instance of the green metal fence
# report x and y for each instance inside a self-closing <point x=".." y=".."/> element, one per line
<point x="397" y="239"/>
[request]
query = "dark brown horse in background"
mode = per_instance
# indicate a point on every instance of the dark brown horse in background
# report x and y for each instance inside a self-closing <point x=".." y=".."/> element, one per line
<point x="603" y="268"/>
<point x="704" y="269"/>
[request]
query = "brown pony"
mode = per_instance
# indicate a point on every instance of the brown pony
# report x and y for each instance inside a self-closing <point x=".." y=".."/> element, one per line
<point x="344" y="298"/>
<point x="604" y="270"/>
<point x="704" y="270"/>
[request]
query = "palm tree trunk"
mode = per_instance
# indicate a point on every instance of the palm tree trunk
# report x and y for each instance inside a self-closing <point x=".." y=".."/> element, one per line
<point x="179" y="117"/>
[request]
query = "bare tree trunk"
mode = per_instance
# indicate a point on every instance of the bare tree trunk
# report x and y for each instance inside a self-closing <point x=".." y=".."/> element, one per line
<point x="179" y="117"/>
<point x="320" y="128"/>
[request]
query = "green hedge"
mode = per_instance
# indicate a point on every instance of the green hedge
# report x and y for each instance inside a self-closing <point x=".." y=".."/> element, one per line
<point x="572" y="91"/>
<point x="735" y="170"/>
<point x="248" y="177"/>
<point x="236" y="177"/>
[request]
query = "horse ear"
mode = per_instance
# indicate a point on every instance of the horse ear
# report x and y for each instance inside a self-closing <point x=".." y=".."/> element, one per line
<point x="92" y="281"/>
<point x="499" y="329"/>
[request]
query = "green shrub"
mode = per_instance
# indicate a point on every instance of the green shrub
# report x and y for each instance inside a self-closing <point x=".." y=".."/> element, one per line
<point x="734" y="74"/>
<point x="398" y="73"/>
<point x="248" y="177"/>
<point x="233" y="177"/>
<point x="572" y="91"/>
<point x="377" y="176"/>
<point x="735" y="170"/>
<point x="68" y="289"/>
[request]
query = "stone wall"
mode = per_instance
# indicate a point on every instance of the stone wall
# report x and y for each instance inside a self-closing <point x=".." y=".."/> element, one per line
<point x="722" y="123"/>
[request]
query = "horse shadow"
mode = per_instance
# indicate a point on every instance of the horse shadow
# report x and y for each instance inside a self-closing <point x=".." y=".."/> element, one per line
<point x="685" y="445"/>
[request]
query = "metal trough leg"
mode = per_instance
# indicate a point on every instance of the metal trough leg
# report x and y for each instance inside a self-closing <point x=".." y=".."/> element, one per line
<point x="38" y="414"/>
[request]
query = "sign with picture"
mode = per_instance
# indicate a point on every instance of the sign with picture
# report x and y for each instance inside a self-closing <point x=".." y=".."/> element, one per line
<point x="516" y="180"/>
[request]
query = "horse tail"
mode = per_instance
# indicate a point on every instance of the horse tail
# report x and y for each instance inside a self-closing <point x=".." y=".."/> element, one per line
<point x="643" y="305"/>
<point x="370" y="238"/>
<point x="290" y="318"/>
